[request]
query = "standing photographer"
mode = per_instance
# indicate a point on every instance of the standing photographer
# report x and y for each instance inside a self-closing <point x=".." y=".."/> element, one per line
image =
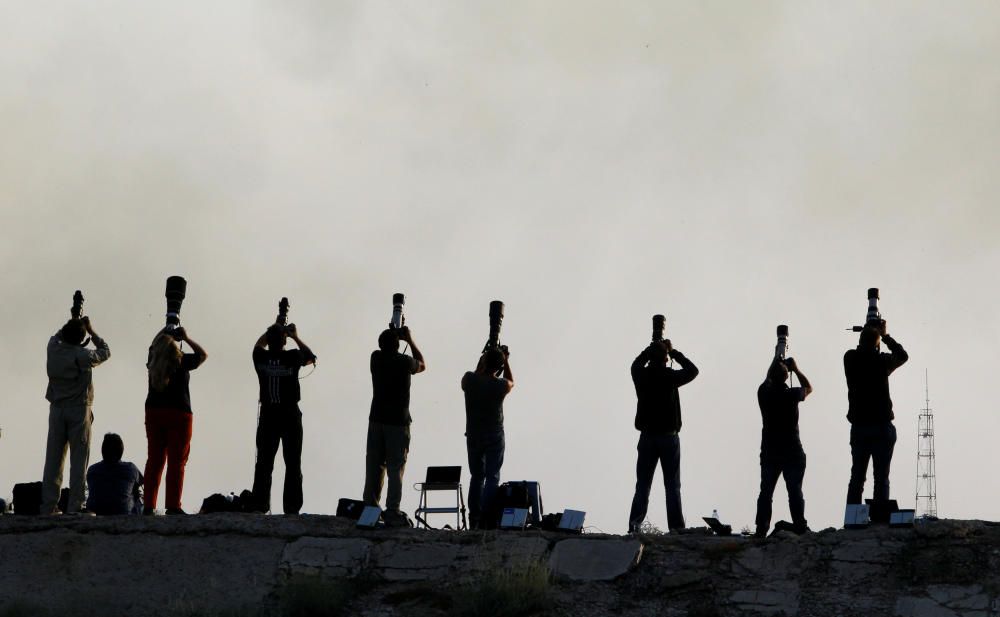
<point x="70" y="393"/>
<point x="485" y="391"/>
<point x="781" y="450"/>
<point x="389" y="420"/>
<point x="169" y="417"/>
<point x="869" y="411"/>
<point x="280" y="419"/>
<point x="658" y="420"/>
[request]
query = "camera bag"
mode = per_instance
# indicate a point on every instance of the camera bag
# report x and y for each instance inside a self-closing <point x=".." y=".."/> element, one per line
<point x="28" y="498"/>
<point x="350" y="508"/>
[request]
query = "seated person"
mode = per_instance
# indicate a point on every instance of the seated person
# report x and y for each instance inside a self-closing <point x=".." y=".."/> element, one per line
<point x="115" y="486"/>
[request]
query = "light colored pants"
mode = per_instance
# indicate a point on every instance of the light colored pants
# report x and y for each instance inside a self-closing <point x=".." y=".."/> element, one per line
<point x="68" y="426"/>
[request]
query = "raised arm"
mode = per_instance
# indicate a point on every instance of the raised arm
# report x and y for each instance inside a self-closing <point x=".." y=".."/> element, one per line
<point x="897" y="355"/>
<point x="806" y="386"/>
<point x="508" y="376"/>
<point x="182" y="335"/>
<point x="419" y="357"/>
<point x="293" y="333"/>
<point x="687" y="372"/>
<point x="640" y="362"/>
<point x="102" y="351"/>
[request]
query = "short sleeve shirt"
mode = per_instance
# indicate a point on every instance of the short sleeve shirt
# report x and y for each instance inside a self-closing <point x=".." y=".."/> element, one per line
<point x="113" y="487"/>
<point x="484" y="395"/>
<point x="391" y="387"/>
<point x="177" y="394"/>
<point x="278" y="374"/>
<point x="779" y="410"/>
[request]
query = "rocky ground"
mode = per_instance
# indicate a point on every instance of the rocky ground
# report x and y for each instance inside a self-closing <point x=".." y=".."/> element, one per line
<point x="234" y="564"/>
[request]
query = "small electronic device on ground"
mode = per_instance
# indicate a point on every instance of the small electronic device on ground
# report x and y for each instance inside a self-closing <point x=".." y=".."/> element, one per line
<point x="370" y="516"/>
<point x="901" y="518"/>
<point x="572" y="520"/>
<point x="856" y="516"/>
<point x="514" y="518"/>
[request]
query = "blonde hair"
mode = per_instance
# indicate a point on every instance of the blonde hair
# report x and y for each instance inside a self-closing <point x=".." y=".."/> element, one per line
<point x="164" y="359"/>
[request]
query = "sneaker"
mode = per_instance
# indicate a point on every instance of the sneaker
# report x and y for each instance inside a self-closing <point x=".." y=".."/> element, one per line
<point x="176" y="512"/>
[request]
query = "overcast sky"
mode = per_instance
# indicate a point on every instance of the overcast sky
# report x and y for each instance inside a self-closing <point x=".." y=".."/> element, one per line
<point x="731" y="165"/>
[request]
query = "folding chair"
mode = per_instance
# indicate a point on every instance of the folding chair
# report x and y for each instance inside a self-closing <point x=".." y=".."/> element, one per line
<point x="441" y="479"/>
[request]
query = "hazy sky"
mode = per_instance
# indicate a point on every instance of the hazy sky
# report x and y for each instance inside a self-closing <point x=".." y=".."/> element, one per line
<point x="731" y="165"/>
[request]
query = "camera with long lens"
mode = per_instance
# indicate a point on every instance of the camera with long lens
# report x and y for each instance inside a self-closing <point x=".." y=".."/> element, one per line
<point x="659" y="325"/>
<point x="781" y="349"/>
<point x="77" y="310"/>
<point x="282" y="318"/>
<point x="873" y="318"/>
<point x="397" y="321"/>
<point x="496" y="322"/>
<point x="176" y="290"/>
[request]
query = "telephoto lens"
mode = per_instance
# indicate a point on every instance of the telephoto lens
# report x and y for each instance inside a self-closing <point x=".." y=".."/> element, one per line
<point x="176" y="289"/>
<point x="496" y="321"/>
<point x="873" y="314"/>
<point x="659" y="325"/>
<point x="398" y="300"/>
<point x="283" y="312"/>
<point x="782" y="347"/>
<point x="77" y="309"/>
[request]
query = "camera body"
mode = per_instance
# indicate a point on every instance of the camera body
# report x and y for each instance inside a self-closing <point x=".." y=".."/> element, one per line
<point x="398" y="320"/>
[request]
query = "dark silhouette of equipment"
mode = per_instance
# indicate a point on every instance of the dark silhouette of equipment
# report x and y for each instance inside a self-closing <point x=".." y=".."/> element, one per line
<point x="176" y="290"/>
<point x="283" y="307"/>
<point x="77" y="311"/>
<point x="496" y="322"/>
<point x="782" y="347"/>
<point x="397" y="322"/>
<point x="873" y="317"/>
<point x="659" y="325"/>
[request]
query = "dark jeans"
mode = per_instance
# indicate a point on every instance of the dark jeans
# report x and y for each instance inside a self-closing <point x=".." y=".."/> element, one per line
<point x="279" y="423"/>
<point x="388" y="447"/>
<point x="874" y="442"/>
<point x="793" y="467"/>
<point x="485" y="460"/>
<point x="666" y="450"/>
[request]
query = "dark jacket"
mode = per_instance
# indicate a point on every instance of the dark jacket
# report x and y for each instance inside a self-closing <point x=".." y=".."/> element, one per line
<point x="658" y="408"/>
<point x="867" y="372"/>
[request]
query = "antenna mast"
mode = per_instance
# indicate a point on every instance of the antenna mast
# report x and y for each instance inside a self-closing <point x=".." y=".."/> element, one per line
<point x="926" y="478"/>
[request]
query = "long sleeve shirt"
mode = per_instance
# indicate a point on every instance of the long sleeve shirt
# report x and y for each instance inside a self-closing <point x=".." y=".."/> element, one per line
<point x="867" y="371"/>
<point x="69" y="369"/>
<point x="658" y="407"/>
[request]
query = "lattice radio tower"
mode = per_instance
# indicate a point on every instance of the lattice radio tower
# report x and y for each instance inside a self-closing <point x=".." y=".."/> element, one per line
<point x="926" y="478"/>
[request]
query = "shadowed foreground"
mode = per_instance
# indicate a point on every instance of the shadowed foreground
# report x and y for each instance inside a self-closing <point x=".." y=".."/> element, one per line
<point x="247" y="565"/>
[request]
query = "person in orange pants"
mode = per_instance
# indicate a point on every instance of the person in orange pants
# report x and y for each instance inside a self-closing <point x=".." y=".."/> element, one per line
<point x="169" y="416"/>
